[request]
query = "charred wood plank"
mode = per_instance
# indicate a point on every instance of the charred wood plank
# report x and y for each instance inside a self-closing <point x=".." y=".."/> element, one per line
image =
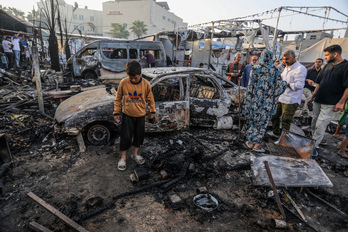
<point x="141" y="189"/>
<point x="46" y="115"/>
<point x="3" y="168"/>
<point x="327" y="203"/>
<point x="37" y="227"/>
<point x="8" y="74"/>
<point x="207" y="158"/>
<point x="182" y="174"/>
<point x="200" y="142"/>
<point x="223" y="201"/>
<point x="90" y="213"/>
<point x="57" y="213"/>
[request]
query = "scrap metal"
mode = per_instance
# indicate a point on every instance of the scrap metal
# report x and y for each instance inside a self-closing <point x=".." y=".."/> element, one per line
<point x="274" y="188"/>
<point x="289" y="172"/>
<point x="304" y="146"/>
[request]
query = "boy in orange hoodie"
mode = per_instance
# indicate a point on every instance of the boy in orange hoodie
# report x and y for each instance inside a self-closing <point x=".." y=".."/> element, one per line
<point x="132" y="94"/>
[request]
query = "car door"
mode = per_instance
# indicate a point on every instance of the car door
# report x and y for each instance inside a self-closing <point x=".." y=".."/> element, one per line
<point x="172" y="104"/>
<point x="208" y="100"/>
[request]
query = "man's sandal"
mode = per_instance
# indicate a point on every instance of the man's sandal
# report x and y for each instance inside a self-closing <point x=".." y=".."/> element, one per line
<point x="138" y="159"/>
<point x="121" y="165"/>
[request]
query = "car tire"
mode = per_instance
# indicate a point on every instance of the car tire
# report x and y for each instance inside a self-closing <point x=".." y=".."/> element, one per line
<point x="98" y="134"/>
<point x="89" y="75"/>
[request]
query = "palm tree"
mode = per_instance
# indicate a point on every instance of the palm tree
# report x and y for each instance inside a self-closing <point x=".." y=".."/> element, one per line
<point x="119" y="31"/>
<point x="139" y="28"/>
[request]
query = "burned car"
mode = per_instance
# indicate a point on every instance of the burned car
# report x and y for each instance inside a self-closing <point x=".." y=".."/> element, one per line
<point x="184" y="97"/>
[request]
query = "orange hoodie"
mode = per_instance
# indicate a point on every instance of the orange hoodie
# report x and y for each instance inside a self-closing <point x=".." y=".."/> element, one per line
<point x="133" y="98"/>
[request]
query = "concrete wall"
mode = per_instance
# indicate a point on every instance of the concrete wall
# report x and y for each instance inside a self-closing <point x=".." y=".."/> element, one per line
<point x="154" y="16"/>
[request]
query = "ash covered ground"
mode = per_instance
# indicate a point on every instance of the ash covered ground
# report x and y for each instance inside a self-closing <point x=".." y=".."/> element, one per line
<point x="88" y="188"/>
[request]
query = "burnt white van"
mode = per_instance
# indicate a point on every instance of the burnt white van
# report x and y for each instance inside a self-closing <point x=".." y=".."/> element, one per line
<point x="107" y="59"/>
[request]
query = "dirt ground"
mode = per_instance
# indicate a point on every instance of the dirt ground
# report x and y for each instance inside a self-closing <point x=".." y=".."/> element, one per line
<point x="77" y="183"/>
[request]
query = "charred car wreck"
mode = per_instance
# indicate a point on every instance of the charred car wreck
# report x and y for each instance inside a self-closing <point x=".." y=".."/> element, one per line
<point x="107" y="59"/>
<point x="183" y="96"/>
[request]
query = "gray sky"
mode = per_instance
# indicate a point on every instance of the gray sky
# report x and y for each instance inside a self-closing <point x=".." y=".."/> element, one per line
<point x="195" y="12"/>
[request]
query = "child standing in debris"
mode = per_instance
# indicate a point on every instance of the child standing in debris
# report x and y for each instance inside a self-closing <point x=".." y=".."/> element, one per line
<point x="132" y="94"/>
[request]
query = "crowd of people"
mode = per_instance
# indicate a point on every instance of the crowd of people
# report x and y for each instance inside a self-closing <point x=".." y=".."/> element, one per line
<point x="274" y="93"/>
<point x="12" y="52"/>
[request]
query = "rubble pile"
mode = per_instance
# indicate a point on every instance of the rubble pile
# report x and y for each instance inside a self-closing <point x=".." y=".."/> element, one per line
<point x="198" y="179"/>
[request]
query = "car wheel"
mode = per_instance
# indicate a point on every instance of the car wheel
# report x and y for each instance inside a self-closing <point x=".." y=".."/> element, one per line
<point x="90" y="75"/>
<point x="98" y="134"/>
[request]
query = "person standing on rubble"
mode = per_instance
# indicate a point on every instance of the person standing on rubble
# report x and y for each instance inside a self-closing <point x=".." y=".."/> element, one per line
<point x="331" y="92"/>
<point x="310" y="81"/>
<point x="234" y="69"/>
<point x="246" y="73"/>
<point x="16" y="49"/>
<point x="294" y="74"/>
<point x="7" y="45"/>
<point x="261" y="100"/>
<point x="132" y="94"/>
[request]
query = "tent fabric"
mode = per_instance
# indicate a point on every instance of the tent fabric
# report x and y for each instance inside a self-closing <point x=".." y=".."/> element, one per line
<point x="315" y="51"/>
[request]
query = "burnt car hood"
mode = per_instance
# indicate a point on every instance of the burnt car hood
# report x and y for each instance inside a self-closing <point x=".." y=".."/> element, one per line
<point x="83" y="102"/>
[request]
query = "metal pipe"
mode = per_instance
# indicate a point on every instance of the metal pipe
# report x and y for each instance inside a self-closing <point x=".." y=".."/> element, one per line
<point x="299" y="52"/>
<point x="211" y="45"/>
<point x="276" y="195"/>
<point x="275" y="35"/>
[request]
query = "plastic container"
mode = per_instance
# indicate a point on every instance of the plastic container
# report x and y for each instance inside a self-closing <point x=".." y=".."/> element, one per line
<point x="225" y="122"/>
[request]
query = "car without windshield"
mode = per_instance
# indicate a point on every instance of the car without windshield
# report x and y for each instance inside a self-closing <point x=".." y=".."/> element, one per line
<point x="184" y="97"/>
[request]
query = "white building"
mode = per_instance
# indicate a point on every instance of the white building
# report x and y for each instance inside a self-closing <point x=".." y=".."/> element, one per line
<point x="155" y="15"/>
<point x="79" y="20"/>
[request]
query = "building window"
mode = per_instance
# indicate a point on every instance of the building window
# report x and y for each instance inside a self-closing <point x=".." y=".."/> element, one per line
<point x="168" y="19"/>
<point x="125" y="25"/>
<point x="173" y="22"/>
<point x="75" y="27"/>
<point x="91" y="28"/>
<point x="75" y="16"/>
<point x="313" y="37"/>
<point x="164" y="17"/>
<point x="80" y="17"/>
<point x="91" y="18"/>
<point x="82" y="28"/>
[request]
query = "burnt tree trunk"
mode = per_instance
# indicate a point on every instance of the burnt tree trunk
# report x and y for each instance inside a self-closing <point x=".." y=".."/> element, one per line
<point x="52" y="41"/>
<point x="53" y="48"/>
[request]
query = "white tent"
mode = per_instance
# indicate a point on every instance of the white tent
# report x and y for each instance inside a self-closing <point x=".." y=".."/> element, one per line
<point x="315" y="51"/>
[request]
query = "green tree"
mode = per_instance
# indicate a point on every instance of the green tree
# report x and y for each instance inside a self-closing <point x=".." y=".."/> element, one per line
<point x="119" y="31"/>
<point x="31" y="14"/>
<point x="139" y="28"/>
<point x="14" y="11"/>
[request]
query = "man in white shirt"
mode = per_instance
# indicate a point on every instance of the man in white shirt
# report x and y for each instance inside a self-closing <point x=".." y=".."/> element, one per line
<point x="294" y="74"/>
<point x="16" y="49"/>
<point x="7" y="46"/>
